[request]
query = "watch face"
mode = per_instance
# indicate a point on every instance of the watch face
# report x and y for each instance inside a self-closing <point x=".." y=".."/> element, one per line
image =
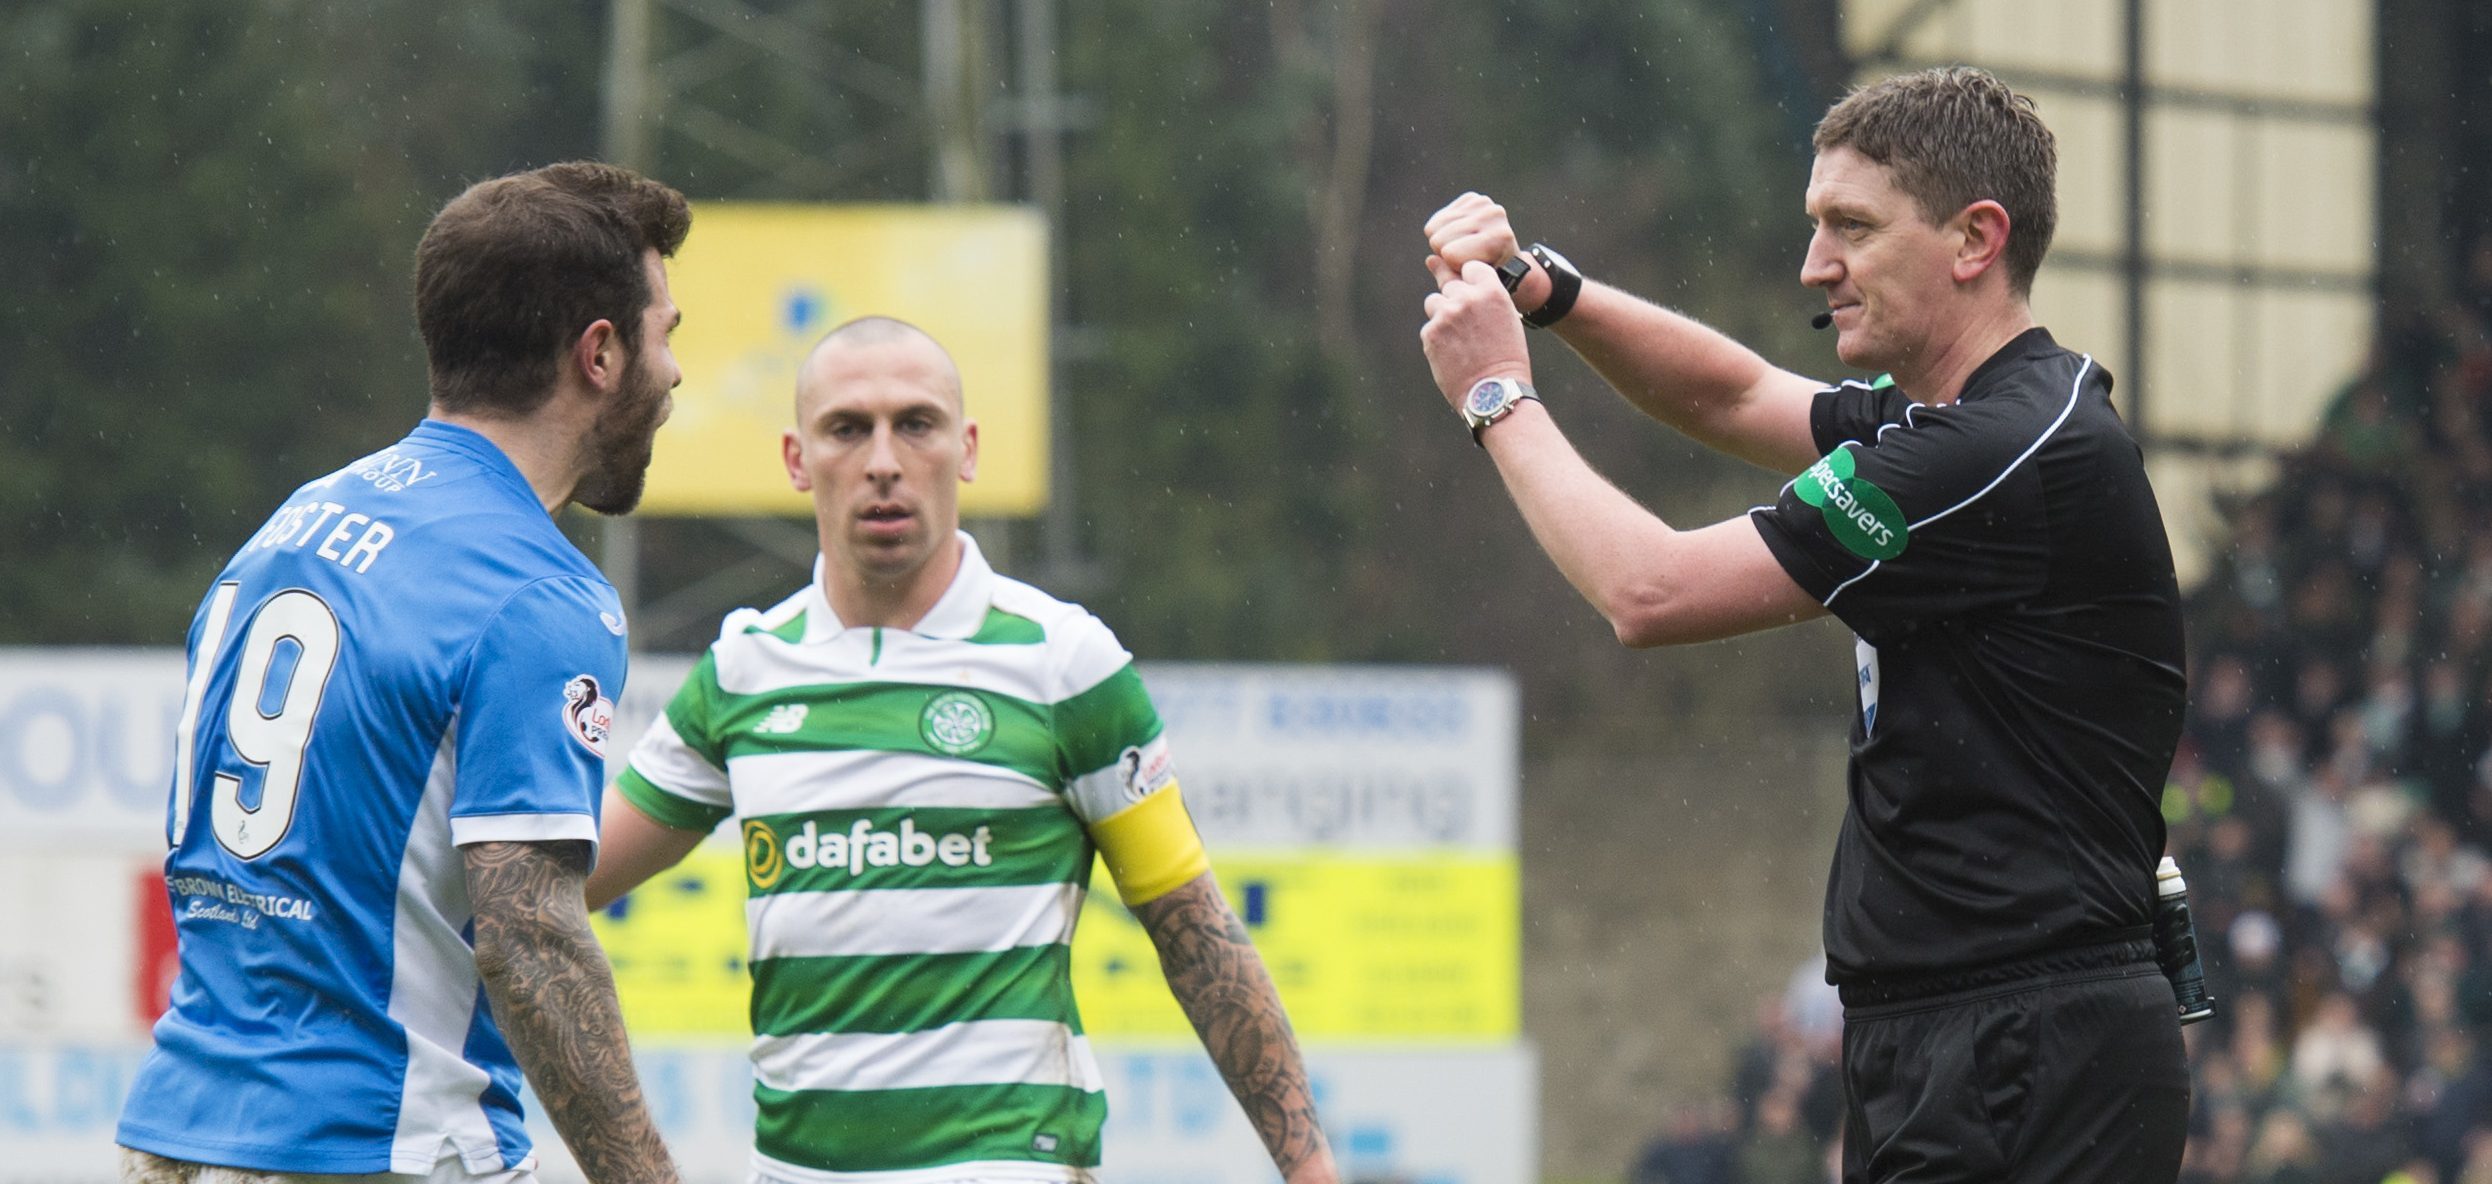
<point x="1486" y="397"/>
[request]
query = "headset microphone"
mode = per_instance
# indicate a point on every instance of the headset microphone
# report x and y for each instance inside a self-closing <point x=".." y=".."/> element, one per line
<point x="1821" y="320"/>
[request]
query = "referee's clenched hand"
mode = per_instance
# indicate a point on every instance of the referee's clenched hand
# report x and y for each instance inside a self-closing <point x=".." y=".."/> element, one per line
<point x="1473" y="331"/>
<point x="1474" y="227"/>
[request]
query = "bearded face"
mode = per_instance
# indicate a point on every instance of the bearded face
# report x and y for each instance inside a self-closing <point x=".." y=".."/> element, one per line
<point x="615" y="456"/>
<point x="622" y="441"/>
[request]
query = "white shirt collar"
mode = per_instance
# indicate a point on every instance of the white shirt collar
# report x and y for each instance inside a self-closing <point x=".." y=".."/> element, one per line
<point x="958" y="615"/>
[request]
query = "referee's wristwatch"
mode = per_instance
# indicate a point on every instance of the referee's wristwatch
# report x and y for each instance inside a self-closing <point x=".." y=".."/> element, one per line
<point x="1493" y="399"/>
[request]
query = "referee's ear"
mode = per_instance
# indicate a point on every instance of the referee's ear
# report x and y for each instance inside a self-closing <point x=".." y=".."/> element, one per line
<point x="1981" y="231"/>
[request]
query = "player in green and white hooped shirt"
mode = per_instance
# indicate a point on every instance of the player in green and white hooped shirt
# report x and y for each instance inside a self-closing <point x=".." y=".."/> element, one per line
<point x="923" y="756"/>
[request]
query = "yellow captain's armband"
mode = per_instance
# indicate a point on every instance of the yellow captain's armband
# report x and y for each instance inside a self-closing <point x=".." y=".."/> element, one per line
<point x="1151" y="847"/>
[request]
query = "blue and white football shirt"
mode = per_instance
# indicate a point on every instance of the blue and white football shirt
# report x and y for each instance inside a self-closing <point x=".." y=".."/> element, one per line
<point x="408" y="657"/>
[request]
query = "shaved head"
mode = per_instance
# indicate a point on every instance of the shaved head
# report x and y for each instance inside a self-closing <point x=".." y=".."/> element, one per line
<point x="872" y="333"/>
<point x="882" y="444"/>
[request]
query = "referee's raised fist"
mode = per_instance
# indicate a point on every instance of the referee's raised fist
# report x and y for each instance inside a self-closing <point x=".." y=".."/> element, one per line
<point x="1471" y="227"/>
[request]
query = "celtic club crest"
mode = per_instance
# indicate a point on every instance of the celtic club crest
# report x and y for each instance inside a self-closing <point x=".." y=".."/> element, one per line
<point x="956" y="722"/>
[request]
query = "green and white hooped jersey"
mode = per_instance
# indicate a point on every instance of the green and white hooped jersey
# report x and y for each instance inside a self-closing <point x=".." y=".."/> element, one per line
<point x="915" y="807"/>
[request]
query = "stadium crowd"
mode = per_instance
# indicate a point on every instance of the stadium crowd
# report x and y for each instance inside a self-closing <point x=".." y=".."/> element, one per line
<point x="2331" y="805"/>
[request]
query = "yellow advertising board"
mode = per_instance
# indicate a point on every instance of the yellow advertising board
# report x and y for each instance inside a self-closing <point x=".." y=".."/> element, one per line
<point x="760" y="283"/>
<point x="1406" y="948"/>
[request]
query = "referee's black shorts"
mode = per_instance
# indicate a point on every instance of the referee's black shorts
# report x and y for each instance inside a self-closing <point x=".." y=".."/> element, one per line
<point x="2072" y="1071"/>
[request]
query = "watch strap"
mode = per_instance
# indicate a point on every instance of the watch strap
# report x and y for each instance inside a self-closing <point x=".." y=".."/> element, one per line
<point x="1565" y="284"/>
<point x="1511" y="272"/>
<point x="1500" y="417"/>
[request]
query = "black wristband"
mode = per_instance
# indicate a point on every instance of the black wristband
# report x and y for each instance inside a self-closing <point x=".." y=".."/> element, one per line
<point x="1565" y="284"/>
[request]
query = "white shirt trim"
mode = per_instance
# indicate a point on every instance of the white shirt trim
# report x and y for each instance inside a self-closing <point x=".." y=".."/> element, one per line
<point x="2084" y="365"/>
<point x="956" y="615"/>
<point x="521" y="828"/>
<point x="2075" y="389"/>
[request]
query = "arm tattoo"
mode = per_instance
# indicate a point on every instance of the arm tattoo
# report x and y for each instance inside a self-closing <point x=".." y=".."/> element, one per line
<point x="1220" y="981"/>
<point x="553" y="995"/>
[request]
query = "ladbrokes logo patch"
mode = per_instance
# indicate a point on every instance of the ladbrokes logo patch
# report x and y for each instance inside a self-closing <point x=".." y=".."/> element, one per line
<point x="587" y="713"/>
<point x="1146" y="769"/>
<point x="1861" y="515"/>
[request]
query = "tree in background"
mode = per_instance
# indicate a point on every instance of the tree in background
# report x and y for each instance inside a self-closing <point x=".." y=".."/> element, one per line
<point x="209" y="210"/>
<point x="1259" y="468"/>
<point x="214" y="200"/>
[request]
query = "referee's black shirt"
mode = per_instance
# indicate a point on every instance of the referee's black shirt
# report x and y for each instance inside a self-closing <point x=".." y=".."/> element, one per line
<point x="2020" y="677"/>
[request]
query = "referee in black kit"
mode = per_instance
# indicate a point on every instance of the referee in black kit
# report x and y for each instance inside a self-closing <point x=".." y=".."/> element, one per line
<point x="1982" y="521"/>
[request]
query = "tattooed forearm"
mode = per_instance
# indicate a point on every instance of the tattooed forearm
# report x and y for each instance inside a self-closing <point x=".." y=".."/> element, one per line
<point x="1218" y="978"/>
<point x="553" y="995"/>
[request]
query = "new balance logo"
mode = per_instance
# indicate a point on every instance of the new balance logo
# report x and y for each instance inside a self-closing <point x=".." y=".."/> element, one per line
<point x="783" y="719"/>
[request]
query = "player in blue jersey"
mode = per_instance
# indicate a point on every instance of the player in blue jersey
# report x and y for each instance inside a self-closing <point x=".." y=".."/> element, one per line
<point x="392" y="743"/>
